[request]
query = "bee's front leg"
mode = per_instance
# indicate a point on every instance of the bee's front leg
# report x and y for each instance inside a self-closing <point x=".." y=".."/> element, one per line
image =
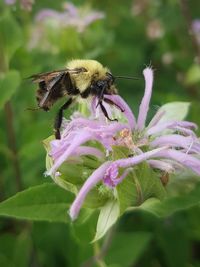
<point x="58" y="119"/>
<point x="105" y="112"/>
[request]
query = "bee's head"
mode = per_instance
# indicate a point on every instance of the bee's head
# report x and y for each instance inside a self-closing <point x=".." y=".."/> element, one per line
<point x="95" y="75"/>
<point x="104" y="85"/>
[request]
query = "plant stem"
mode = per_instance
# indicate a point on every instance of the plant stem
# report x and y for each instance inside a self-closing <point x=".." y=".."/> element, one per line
<point x="12" y="144"/>
<point x="103" y="251"/>
<point x="188" y="19"/>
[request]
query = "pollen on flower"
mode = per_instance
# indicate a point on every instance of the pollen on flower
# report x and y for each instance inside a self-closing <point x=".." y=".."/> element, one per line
<point x="126" y="138"/>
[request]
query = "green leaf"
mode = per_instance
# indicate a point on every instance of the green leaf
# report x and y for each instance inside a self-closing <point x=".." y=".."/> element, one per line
<point x="107" y="217"/>
<point x="10" y="36"/>
<point x="8" y="85"/>
<point x="139" y="185"/>
<point x="148" y="183"/>
<point x="193" y="74"/>
<point x="127" y="193"/>
<point x="46" y="202"/>
<point x="174" y="111"/>
<point x="126" y="248"/>
<point x="173" y="204"/>
<point x="84" y="227"/>
<point x="94" y="199"/>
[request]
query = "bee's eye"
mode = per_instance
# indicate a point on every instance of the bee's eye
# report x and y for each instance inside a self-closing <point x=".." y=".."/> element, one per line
<point x="100" y="83"/>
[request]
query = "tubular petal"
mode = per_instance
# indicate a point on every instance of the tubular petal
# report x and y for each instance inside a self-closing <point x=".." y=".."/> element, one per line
<point x="144" y="106"/>
<point x="123" y="105"/>
<point x="88" y="185"/>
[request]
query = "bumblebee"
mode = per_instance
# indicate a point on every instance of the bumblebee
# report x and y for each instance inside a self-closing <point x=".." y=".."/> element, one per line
<point x="80" y="79"/>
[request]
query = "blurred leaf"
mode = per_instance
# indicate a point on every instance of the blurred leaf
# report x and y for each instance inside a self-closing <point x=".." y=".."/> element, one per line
<point x="46" y="202"/>
<point x="6" y="261"/>
<point x="174" y="111"/>
<point x="8" y="85"/>
<point x="22" y="247"/>
<point x="172" y="239"/>
<point x="193" y="74"/>
<point x="126" y="248"/>
<point x="10" y="35"/>
<point x="107" y="217"/>
<point x="7" y="245"/>
<point x="173" y="204"/>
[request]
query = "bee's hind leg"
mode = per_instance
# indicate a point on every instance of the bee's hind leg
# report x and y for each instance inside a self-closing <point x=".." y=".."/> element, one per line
<point x="58" y="119"/>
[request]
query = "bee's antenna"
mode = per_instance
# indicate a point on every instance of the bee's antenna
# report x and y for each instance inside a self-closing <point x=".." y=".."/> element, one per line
<point x="127" y="77"/>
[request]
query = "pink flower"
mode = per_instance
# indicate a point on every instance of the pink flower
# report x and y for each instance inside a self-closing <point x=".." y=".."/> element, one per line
<point x="71" y="16"/>
<point x="169" y="146"/>
<point x="25" y="4"/>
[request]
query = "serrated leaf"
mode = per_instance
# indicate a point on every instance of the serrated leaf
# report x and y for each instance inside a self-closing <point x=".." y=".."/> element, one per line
<point x="107" y="217"/>
<point x="173" y="204"/>
<point x="46" y="202"/>
<point x="174" y="111"/>
<point x="9" y="82"/>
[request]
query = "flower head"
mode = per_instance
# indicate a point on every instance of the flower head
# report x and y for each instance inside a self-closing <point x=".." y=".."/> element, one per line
<point x="24" y="4"/>
<point x="166" y="145"/>
<point x="78" y="18"/>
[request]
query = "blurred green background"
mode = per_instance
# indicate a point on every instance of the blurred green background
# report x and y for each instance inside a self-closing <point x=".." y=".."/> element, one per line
<point x="125" y="36"/>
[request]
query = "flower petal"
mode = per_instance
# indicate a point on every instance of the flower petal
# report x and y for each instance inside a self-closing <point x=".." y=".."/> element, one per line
<point x="173" y="140"/>
<point x="144" y="106"/>
<point x="186" y="160"/>
<point x="88" y="185"/>
<point x="157" y="117"/>
<point x="124" y="106"/>
<point x="171" y="125"/>
<point x="81" y="138"/>
<point x="86" y="150"/>
<point x="161" y="165"/>
<point x="125" y="163"/>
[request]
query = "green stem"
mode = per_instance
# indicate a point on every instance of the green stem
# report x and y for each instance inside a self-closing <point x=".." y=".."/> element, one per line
<point x="100" y="253"/>
<point x="12" y="144"/>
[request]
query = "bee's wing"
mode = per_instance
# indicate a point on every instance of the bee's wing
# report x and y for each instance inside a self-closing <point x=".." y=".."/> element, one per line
<point x="47" y="76"/>
<point x="52" y="89"/>
<point x="56" y="84"/>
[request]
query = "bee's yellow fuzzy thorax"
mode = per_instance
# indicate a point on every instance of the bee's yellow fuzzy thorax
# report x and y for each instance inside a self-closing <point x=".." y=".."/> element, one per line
<point x="95" y="71"/>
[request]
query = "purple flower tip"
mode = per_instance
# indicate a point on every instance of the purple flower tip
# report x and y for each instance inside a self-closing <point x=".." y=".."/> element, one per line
<point x="110" y="177"/>
<point x="10" y="2"/>
<point x="144" y="106"/>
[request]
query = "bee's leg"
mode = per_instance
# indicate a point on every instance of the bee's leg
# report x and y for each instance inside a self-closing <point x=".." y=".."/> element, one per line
<point x="58" y="119"/>
<point x="109" y="101"/>
<point x="105" y="112"/>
